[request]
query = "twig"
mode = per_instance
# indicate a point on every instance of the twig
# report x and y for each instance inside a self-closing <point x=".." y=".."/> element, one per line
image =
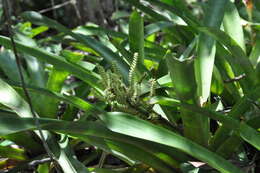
<point x="6" y="6"/>
<point x="102" y="159"/>
<point x="35" y="163"/>
<point x="55" y="7"/>
<point x="235" y="78"/>
<point x="74" y="4"/>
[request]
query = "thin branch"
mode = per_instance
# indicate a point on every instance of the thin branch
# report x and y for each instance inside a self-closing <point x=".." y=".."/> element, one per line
<point x="102" y="159"/>
<point x="55" y="7"/>
<point x="35" y="163"/>
<point x="235" y="78"/>
<point x="74" y="3"/>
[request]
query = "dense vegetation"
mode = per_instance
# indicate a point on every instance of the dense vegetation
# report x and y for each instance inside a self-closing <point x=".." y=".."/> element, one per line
<point x="165" y="86"/>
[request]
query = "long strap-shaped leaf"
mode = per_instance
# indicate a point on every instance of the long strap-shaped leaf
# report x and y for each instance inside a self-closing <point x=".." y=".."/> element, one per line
<point x="123" y="149"/>
<point x="204" y="63"/>
<point x="228" y="120"/>
<point x="232" y="19"/>
<point x="118" y="123"/>
<point x="124" y="124"/>
<point x="235" y="50"/>
<point x="179" y="8"/>
<point x="230" y="123"/>
<point x="218" y="35"/>
<point x="109" y="55"/>
<point x="136" y="36"/>
<point x="14" y="101"/>
<point x="245" y="131"/>
<point x="87" y="76"/>
<point x="11" y="99"/>
<point x="147" y="10"/>
<point x="166" y="152"/>
<point x="182" y="74"/>
<point x="238" y="109"/>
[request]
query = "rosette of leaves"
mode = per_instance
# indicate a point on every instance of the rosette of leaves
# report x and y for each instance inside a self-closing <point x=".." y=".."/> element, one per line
<point x="123" y="97"/>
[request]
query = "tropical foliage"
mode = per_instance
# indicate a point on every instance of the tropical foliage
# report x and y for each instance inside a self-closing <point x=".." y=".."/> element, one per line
<point x="174" y="87"/>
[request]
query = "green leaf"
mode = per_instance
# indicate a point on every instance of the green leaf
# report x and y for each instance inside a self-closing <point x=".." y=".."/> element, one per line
<point x="76" y="101"/>
<point x="129" y="149"/>
<point x="182" y="75"/>
<point x="89" y="77"/>
<point x="119" y="148"/>
<point x="136" y="36"/>
<point x="55" y="82"/>
<point x="238" y="109"/>
<point x="9" y="67"/>
<point x="12" y="153"/>
<point x="204" y="63"/>
<point x="196" y="127"/>
<point x="34" y="66"/>
<point x="155" y="27"/>
<point x="179" y="8"/>
<point x="236" y="51"/>
<point x="165" y="101"/>
<point x="225" y="66"/>
<point x="67" y="158"/>
<point x="105" y="52"/>
<point x="103" y="170"/>
<point x="125" y="53"/>
<point x="43" y="168"/>
<point x="219" y="117"/>
<point x="255" y="53"/>
<point x="217" y="85"/>
<point x="157" y="134"/>
<point x="12" y="100"/>
<point x="232" y="19"/>
<point x="124" y="124"/>
<point x="94" y="30"/>
<point x="38" y="30"/>
<point x="245" y="131"/>
<point x="189" y="49"/>
<point x="15" y="102"/>
<point x="147" y="10"/>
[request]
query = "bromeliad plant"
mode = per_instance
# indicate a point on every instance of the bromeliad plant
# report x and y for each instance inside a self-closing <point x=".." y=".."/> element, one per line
<point x="124" y="98"/>
<point x="162" y="97"/>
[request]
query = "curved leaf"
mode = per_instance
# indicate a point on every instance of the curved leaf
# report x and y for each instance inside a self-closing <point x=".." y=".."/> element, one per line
<point x="131" y="126"/>
<point x="87" y="76"/>
<point x="147" y="10"/>
<point x="14" y="101"/>
<point x="12" y="153"/>
<point x="245" y="131"/>
<point x="155" y="27"/>
<point x="236" y="51"/>
<point x="179" y="8"/>
<point x="238" y="109"/>
<point x="105" y="52"/>
<point x="11" y="99"/>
